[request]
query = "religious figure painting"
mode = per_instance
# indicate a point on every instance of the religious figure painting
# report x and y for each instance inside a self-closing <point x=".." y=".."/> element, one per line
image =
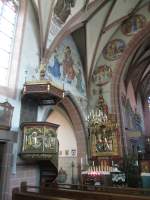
<point x="65" y="68"/>
<point x="55" y="68"/>
<point x="68" y="70"/>
<point x="102" y="75"/>
<point x="32" y="140"/>
<point x="133" y="24"/>
<point x="145" y="166"/>
<point x="114" y="49"/>
<point x="35" y="141"/>
<point x="50" y="140"/>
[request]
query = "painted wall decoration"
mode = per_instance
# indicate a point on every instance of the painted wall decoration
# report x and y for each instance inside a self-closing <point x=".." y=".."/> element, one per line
<point x="102" y="75"/>
<point x="65" y="68"/>
<point x="66" y="152"/>
<point x="133" y="24"/>
<point x="114" y="49"/>
<point x="73" y="152"/>
<point x="62" y="9"/>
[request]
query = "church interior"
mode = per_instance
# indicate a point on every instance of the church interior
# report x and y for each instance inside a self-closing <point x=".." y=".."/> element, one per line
<point x="75" y="99"/>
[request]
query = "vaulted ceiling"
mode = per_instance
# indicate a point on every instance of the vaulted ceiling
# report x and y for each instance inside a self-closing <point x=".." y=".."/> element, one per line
<point x="92" y="23"/>
<point x="139" y="70"/>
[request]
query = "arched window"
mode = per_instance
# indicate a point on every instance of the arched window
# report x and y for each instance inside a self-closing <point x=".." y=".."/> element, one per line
<point x="11" y="23"/>
<point x="8" y="21"/>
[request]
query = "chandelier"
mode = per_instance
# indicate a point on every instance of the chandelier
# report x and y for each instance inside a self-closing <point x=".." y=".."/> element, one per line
<point x="96" y="120"/>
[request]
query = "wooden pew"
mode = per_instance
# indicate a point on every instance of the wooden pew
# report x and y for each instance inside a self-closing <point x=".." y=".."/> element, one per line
<point x="76" y="195"/>
<point x="27" y="193"/>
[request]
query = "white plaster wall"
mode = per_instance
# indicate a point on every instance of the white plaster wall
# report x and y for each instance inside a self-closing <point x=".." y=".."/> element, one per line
<point x="30" y="50"/>
<point x="66" y="137"/>
<point x="43" y="112"/>
<point x="45" y="10"/>
<point x="67" y="142"/>
<point x="121" y="9"/>
<point x="93" y="28"/>
<point x="29" y="57"/>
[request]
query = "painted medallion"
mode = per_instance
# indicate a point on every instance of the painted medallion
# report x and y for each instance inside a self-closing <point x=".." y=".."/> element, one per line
<point x="114" y="49"/>
<point x="133" y="25"/>
<point x="102" y="75"/>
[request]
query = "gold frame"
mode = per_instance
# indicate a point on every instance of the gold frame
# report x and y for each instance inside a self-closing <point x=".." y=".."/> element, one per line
<point x="114" y="151"/>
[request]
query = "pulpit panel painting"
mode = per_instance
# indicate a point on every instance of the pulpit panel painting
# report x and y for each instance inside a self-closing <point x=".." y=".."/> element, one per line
<point x="37" y="140"/>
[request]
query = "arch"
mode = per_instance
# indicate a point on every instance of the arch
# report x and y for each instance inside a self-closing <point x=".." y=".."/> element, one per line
<point x="72" y="110"/>
<point x="78" y="125"/>
<point x="134" y="43"/>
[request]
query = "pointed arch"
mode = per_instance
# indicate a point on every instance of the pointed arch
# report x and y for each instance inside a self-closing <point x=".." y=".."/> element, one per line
<point x="74" y="113"/>
<point x="132" y="46"/>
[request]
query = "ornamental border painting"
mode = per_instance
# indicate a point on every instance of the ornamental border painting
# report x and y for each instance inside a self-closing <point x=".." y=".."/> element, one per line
<point x="102" y="75"/>
<point x="113" y="49"/>
<point x="133" y="25"/>
<point x="6" y="111"/>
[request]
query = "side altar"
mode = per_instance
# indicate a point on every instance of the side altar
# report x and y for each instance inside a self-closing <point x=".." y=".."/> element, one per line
<point x="103" y="145"/>
<point x="103" y="131"/>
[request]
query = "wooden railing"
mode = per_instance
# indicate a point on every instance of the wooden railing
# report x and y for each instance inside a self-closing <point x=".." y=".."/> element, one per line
<point x="76" y="192"/>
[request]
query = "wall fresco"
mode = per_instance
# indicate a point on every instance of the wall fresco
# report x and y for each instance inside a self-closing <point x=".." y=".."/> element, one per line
<point x="114" y="49"/>
<point x="65" y="68"/>
<point x="133" y="25"/>
<point x="102" y="75"/>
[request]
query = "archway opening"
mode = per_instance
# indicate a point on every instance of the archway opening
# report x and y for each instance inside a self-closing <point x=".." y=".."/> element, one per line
<point x="67" y="158"/>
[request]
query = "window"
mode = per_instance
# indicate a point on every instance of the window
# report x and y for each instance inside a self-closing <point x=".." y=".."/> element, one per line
<point x="12" y="19"/>
<point x="148" y="102"/>
<point x="8" y="21"/>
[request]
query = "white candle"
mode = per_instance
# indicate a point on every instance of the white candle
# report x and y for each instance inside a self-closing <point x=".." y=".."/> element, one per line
<point x="81" y="163"/>
<point x="86" y="160"/>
